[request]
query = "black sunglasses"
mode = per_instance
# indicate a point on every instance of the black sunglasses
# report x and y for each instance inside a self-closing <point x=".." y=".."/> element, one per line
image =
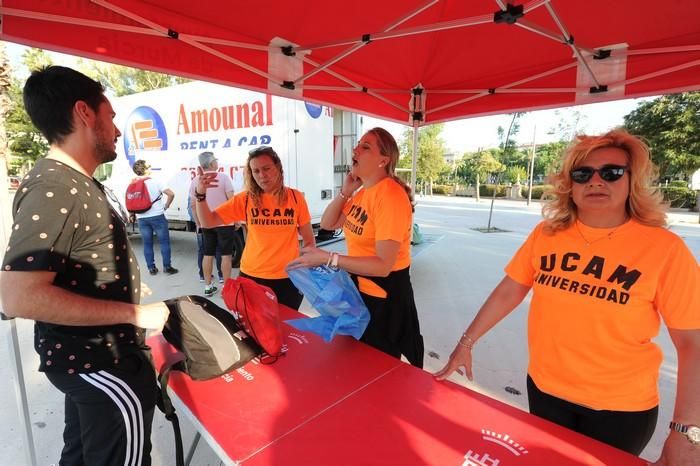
<point x="117" y="208"/>
<point x="261" y="150"/>
<point x="607" y="173"/>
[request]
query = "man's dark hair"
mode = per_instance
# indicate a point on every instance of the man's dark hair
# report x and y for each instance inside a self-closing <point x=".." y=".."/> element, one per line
<point x="50" y="94"/>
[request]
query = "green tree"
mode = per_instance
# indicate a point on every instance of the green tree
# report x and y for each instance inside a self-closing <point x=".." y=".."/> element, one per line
<point x="478" y="166"/>
<point x="515" y="174"/>
<point x="510" y="155"/>
<point x="5" y="83"/>
<point x="671" y="125"/>
<point x="431" y="150"/>
<point x="34" y="59"/>
<point x="547" y="157"/>
<point x="123" y="80"/>
<point x="27" y="144"/>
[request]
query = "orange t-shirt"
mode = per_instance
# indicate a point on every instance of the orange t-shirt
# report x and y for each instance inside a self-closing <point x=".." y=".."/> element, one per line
<point x="272" y="240"/>
<point x="595" y="309"/>
<point x="382" y="212"/>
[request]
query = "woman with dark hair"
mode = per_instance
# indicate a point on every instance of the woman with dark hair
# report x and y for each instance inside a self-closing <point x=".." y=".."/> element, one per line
<point x="374" y="208"/>
<point x="604" y="271"/>
<point x="274" y="214"/>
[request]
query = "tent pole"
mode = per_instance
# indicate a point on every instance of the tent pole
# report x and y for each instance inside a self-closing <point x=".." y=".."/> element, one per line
<point x="414" y="158"/>
<point x="25" y="425"/>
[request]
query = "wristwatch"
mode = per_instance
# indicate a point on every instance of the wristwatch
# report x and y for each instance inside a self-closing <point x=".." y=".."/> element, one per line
<point x="691" y="432"/>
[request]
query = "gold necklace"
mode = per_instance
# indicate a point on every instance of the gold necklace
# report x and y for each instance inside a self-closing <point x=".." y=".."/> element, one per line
<point x="608" y="236"/>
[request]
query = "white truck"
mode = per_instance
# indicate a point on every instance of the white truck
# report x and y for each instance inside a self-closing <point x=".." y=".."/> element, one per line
<point x="170" y="127"/>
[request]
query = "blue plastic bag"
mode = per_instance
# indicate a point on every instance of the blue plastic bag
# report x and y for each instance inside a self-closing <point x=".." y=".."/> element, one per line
<point x="334" y="295"/>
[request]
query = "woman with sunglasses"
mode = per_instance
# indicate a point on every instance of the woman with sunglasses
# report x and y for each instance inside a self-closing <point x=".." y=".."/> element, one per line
<point x="274" y="214"/>
<point x="604" y="271"/>
<point x="374" y="208"/>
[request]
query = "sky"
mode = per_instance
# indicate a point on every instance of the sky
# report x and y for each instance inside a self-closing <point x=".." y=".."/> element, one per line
<point x="470" y="134"/>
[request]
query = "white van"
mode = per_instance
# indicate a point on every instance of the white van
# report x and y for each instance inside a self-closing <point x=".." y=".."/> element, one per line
<point x="169" y="127"/>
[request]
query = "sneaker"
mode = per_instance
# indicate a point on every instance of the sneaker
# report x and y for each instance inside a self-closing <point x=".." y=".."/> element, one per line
<point x="221" y="279"/>
<point x="210" y="290"/>
<point x="201" y="279"/>
<point x="171" y="270"/>
<point x="153" y="270"/>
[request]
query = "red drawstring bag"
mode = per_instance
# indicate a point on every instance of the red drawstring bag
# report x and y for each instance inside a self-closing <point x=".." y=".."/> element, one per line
<point x="258" y="311"/>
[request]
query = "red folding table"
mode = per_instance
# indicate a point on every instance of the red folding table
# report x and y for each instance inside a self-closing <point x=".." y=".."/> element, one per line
<point x="344" y="403"/>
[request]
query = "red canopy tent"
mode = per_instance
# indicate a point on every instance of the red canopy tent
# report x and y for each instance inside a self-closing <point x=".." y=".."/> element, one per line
<point x="411" y="61"/>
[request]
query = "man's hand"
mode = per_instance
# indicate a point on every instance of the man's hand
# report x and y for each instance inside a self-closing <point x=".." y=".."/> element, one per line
<point x="145" y="290"/>
<point x="151" y="316"/>
<point x="205" y="181"/>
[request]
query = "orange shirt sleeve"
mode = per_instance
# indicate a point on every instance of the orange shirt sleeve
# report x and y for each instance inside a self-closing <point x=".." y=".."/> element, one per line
<point x="520" y="268"/>
<point x="304" y="215"/>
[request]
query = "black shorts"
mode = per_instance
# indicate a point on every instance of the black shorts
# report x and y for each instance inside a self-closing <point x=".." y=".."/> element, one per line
<point x="221" y="236"/>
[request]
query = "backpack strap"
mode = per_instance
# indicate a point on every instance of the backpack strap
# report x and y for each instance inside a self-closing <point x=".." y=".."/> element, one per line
<point x="173" y="362"/>
<point x="160" y="194"/>
<point x="146" y="178"/>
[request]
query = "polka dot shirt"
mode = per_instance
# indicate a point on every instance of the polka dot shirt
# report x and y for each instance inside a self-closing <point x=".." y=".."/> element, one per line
<point x="64" y="223"/>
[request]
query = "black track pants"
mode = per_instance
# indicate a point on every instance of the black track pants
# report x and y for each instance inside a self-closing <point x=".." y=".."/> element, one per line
<point x="108" y="414"/>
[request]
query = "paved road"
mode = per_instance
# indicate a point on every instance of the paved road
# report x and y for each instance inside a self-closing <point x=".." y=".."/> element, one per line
<point x="453" y="273"/>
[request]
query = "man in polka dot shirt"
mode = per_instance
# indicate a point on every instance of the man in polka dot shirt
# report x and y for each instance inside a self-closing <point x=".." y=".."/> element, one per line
<point x="69" y="252"/>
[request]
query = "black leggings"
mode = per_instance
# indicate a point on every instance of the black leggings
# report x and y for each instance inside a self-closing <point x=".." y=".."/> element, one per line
<point x="284" y="289"/>
<point x="627" y="430"/>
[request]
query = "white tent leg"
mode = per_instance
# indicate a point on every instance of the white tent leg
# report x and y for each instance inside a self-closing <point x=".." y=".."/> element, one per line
<point x="25" y="425"/>
<point x="414" y="159"/>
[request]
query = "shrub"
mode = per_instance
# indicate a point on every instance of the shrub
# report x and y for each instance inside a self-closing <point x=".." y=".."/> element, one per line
<point x="442" y="189"/>
<point x="486" y="190"/>
<point x="679" y="197"/>
<point x="537" y="191"/>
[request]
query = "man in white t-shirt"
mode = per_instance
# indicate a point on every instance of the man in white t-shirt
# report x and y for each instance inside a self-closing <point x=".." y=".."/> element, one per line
<point x="154" y="221"/>
<point x="221" y="235"/>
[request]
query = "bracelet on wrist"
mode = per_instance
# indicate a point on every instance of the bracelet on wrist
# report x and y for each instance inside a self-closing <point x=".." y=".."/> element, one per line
<point x="340" y="193"/>
<point x="200" y="197"/>
<point x="330" y="258"/>
<point x="466" y="342"/>
<point x="334" y="260"/>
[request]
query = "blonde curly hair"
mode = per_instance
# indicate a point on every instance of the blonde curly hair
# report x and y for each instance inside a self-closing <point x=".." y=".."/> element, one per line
<point x="644" y="202"/>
